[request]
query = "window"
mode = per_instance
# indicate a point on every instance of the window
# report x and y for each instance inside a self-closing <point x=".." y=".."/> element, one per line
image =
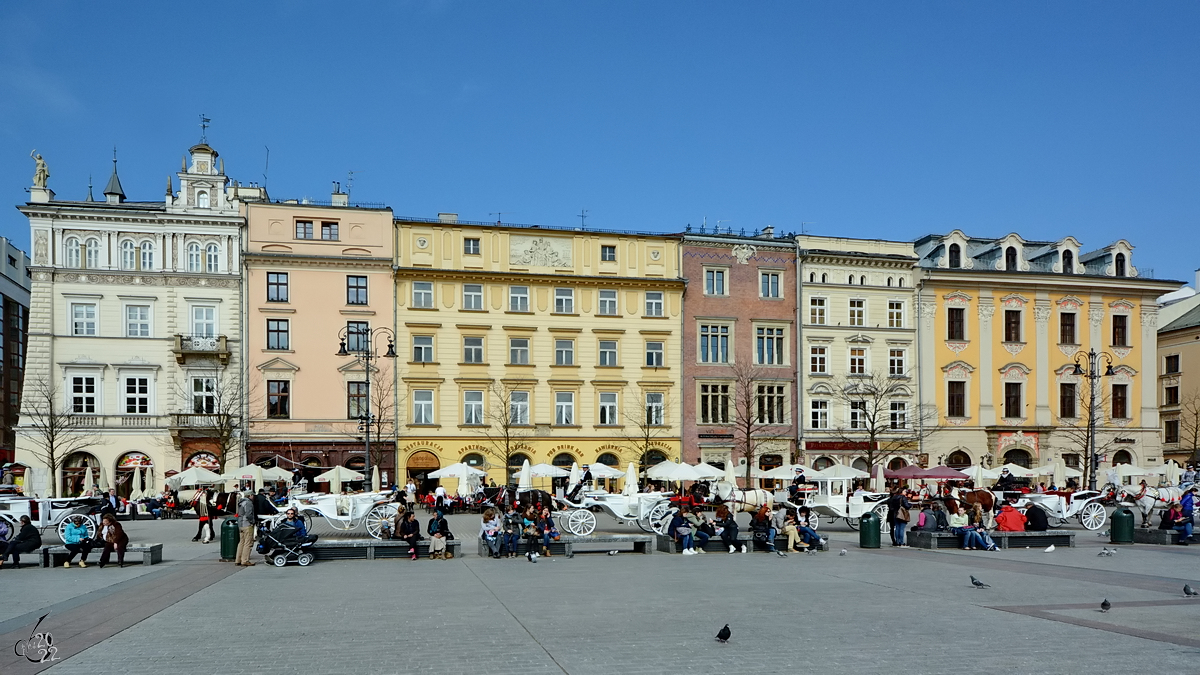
<point x="147" y="256"/>
<point x="714" y="344"/>
<point x="769" y="282"/>
<point x="1171" y="364"/>
<point x="1010" y="259"/>
<point x="858" y="414"/>
<point x="654" y="354"/>
<point x="955" y="323"/>
<point x="654" y="303"/>
<point x="518" y="351"/>
<point x="423" y="294"/>
<point x="564" y="408"/>
<point x="955" y="256"/>
<point x="472" y="350"/>
<point x="608" y="303"/>
<point x="137" y="320"/>
<point x="816" y="311"/>
<point x="1068" y="262"/>
<point x="202" y="199"/>
<point x="771" y="405"/>
<point x="895" y="314"/>
<point x="304" y="229"/>
<point x="1171" y="431"/>
<point x="422" y="406"/>
<point x="518" y="298"/>
<point x="83" y="319"/>
<point x="204" y="395"/>
<point x="518" y="408"/>
<point x="358" y="336"/>
<point x="277" y="287"/>
<point x="471" y="246"/>
<point x="137" y="396"/>
<point x="654" y="409"/>
<point x="128" y="255"/>
<point x="896" y="363"/>
<point x="608" y="253"/>
<point x="818" y="412"/>
<point x="858" y="361"/>
<point x="714" y="282"/>
<point x="329" y="231"/>
<point x="858" y="312"/>
<point x="473" y="400"/>
<point x="956" y="399"/>
<point x="1120" y="330"/>
<point x="1012" y="400"/>
<point x="195" y="257"/>
<point x="564" y="301"/>
<point x="1171" y="396"/>
<point x="1119" y="264"/>
<point x="608" y="408"/>
<point x="818" y="360"/>
<point x="473" y="297"/>
<point x="608" y="352"/>
<point x="564" y="352"/>
<point x="72" y="251"/>
<point x="91" y="254"/>
<point x="1120" y="401"/>
<point x="357" y="406"/>
<point x="714" y="404"/>
<point x="899" y="415"/>
<point x="889" y="281"/>
<point x="1067" y="397"/>
<point x="279" y="399"/>
<point x="277" y="334"/>
<point x="212" y="258"/>
<point x="356" y="290"/>
<point x="770" y="346"/>
<point x="1012" y="325"/>
<point x="83" y="394"/>
<point x="1066" y="328"/>
<point x="423" y="349"/>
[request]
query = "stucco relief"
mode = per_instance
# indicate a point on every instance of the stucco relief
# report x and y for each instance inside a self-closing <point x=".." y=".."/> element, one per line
<point x="957" y="299"/>
<point x="1010" y="439"/>
<point x="927" y="310"/>
<point x="1014" y="301"/>
<point x="1070" y="302"/>
<point x="1123" y="374"/>
<point x="959" y="370"/>
<point x="986" y="312"/>
<point x="1015" y="372"/>
<point x="1121" y="304"/>
<point x="956" y="346"/>
<point x="137" y="280"/>
<point x="1122" y="352"/>
<point x="1041" y="313"/>
<point x="1096" y="316"/>
<point x="41" y="248"/>
<point x="1149" y="318"/>
<point x="1066" y="374"/>
<point x="1014" y="348"/>
<point x="958" y="421"/>
<point x="743" y="253"/>
<point x="539" y="251"/>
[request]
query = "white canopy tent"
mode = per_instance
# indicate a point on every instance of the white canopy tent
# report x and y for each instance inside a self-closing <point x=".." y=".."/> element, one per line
<point x="525" y="477"/>
<point x="338" y="475"/>
<point x="605" y="471"/>
<point x="458" y="470"/>
<point x="1019" y="471"/>
<point x="631" y="484"/>
<point x="197" y="475"/>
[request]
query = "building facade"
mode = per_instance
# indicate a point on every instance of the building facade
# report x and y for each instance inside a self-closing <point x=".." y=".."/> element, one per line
<point x="134" y="327"/>
<point x="552" y="345"/>
<point x="1179" y="379"/>
<point x="315" y="276"/>
<point x="1002" y="324"/>
<point x="15" y="279"/>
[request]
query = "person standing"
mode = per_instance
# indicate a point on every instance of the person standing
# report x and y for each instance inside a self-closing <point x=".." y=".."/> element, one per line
<point x="247" y="520"/>
<point x="898" y="516"/>
<point x="114" y="538"/>
<point x="201" y="503"/>
<point x="28" y="539"/>
<point x="77" y="541"/>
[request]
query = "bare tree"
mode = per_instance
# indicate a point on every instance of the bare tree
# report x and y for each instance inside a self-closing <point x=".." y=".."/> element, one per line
<point x="753" y="414"/>
<point x="883" y="417"/>
<point x="213" y="404"/>
<point x="383" y="402"/>
<point x="1076" y="435"/>
<point x="505" y="424"/>
<point x="1189" y="425"/>
<point x="645" y="423"/>
<point x="54" y="428"/>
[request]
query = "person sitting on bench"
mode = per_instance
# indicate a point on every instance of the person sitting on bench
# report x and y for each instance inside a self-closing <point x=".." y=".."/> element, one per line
<point x="1035" y="519"/>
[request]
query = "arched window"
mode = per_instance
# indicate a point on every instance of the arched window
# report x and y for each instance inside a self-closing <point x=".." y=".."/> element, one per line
<point x="652" y="457"/>
<point x="212" y="258"/>
<point x="812" y="277"/>
<point x="1068" y="262"/>
<point x="851" y="280"/>
<point x="1019" y="457"/>
<point x="91" y="254"/>
<point x="1120" y="264"/>
<point x="862" y="281"/>
<point x="72" y="251"/>
<point x="515" y="461"/>
<point x="608" y="459"/>
<point x="897" y="463"/>
<point x="1122" y="457"/>
<point x="955" y="256"/>
<point x="860" y="464"/>
<point x="194" y="257"/>
<point x="889" y="281"/>
<point x="1010" y="259"/>
<point x="563" y="459"/>
<point x="823" y="277"/>
<point x="202" y="199"/>
<point x="147" y="256"/>
<point x="473" y="459"/>
<point x="128" y="255"/>
<point x="958" y="459"/>
<point x="822" y="463"/>
<point x="900" y="282"/>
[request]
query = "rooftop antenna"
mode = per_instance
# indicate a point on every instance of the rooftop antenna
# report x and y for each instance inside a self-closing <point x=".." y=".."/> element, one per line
<point x="204" y="128"/>
<point x="350" y="182"/>
<point x="266" y="166"/>
<point x="501" y="213"/>
<point x="583" y="219"/>
<point x="803" y="230"/>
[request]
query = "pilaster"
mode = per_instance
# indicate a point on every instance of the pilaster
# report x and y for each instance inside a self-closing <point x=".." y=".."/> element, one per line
<point x="1041" y="317"/>
<point x="987" y="407"/>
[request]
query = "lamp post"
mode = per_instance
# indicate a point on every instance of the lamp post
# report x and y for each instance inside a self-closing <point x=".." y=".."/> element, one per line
<point x="1093" y="359"/>
<point x="360" y="343"/>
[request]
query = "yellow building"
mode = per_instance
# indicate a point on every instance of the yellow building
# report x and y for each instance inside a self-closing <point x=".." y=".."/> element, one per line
<point x="1179" y="376"/>
<point x="1001" y="325"/>
<point x="517" y="342"/>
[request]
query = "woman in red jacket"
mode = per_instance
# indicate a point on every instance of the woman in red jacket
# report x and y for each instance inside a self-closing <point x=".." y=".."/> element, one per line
<point x="1010" y="519"/>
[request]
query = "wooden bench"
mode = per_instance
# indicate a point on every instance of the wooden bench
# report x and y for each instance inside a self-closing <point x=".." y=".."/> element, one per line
<point x="55" y="556"/>
<point x="715" y="545"/>
<point x="373" y="549"/>
<point x="945" y="539"/>
<point x="1142" y="535"/>
<point x="566" y="544"/>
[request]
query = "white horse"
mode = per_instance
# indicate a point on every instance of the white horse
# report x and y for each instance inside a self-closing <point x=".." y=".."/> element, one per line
<point x="1148" y="498"/>
<point x="749" y="501"/>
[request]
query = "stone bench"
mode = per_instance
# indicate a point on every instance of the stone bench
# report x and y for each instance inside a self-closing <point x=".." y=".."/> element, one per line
<point x="374" y="549"/>
<point x="642" y="543"/>
<point x="55" y="556"/>
<point x="715" y="545"/>
<point x="926" y="539"/>
<point x="1145" y="536"/>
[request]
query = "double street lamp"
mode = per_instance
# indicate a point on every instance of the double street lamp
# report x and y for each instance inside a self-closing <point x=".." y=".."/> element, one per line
<point x="360" y="342"/>
<point x="1093" y="359"/>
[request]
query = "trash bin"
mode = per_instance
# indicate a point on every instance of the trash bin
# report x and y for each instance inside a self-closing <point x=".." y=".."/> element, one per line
<point x="868" y="530"/>
<point x="229" y="539"/>
<point x="1121" y="530"/>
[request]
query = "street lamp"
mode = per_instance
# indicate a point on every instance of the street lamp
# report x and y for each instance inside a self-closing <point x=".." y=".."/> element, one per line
<point x="362" y="346"/>
<point x="1093" y="358"/>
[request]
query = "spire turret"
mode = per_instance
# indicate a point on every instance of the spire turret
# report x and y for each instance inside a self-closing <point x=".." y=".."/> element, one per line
<point x="113" y="193"/>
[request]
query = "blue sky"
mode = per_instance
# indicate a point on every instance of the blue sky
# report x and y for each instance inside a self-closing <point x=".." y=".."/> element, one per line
<point x="868" y="119"/>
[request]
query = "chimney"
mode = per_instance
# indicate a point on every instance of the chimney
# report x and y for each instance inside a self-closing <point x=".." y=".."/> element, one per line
<point x="448" y="217"/>
<point x="1196" y="287"/>
<point x="339" y="198"/>
<point x="768" y="232"/>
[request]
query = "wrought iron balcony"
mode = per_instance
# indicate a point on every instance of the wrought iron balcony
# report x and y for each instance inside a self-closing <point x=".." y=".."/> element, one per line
<point x="201" y="346"/>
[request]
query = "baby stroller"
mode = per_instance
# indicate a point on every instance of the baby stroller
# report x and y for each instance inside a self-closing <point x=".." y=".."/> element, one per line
<point x="283" y="544"/>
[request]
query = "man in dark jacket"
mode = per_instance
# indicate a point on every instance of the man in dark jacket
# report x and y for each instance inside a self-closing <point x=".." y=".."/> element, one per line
<point x="28" y="539"/>
<point x="1035" y="519"/>
<point x="263" y="505"/>
<point x="1006" y="482"/>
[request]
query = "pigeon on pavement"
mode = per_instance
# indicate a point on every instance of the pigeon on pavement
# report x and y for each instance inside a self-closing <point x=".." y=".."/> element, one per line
<point x="612" y="552"/>
<point x="1050" y="548"/>
<point x="978" y="584"/>
<point x="1189" y="591"/>
<point x="724" y="634"/>
<point x="781" y="554"/>
<point x="843" y="552"/>
<point x="1105" y="606"/>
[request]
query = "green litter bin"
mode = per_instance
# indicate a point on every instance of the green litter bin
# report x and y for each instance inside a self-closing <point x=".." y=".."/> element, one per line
<point x="229" y="539"/>
<point x="1121" y="530"/>
<point x="868" y="530"/>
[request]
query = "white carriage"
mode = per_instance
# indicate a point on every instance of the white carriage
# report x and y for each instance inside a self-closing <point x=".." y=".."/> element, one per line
<point x="345" y="512"/>
<point x="47" y="514"/>
<point x="835" y="499"/>
<point x="648" y="510"/>
<point x="1085" y="505"/>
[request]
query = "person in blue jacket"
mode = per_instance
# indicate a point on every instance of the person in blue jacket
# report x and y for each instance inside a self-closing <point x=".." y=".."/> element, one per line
<point x="77" y="541"/>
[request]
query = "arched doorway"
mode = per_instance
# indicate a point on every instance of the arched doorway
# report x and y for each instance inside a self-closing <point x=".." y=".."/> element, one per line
<point x="766" y="463"/>
<point x="75" y="474"/>
<point x="515" y="462"/>
<point x="958" y="460"/>
<point x="310" y="468"/>
<point x="1019" y="457"/>
<point x="822" y="463"/>
<point x="268" y="462"/>
<point x="609" y="459"/>
<point x="562" y="460"/>
<point x="358" y="463"/>
<point x="133" y="474"/>
<point x="860" y="464"/>
<point x="420" y="463"/>
<point x="897" y="463"/>
<point x="1122" y="457"/>
<point x="649" y="459"/>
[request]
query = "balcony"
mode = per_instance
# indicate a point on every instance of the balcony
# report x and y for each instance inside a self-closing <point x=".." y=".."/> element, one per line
<point x="201" y="346"/>
<point x="116" y="421"/>
<point x="200" y="425"/>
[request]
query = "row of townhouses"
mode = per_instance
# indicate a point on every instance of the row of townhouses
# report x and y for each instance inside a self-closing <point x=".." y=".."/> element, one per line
<point x="216" y="327"/>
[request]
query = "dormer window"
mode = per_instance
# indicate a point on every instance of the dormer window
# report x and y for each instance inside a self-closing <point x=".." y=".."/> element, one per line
<point x="1068" y="262"/>
<point x="202" y="199"/>
<point x="955" y="256"/>
<point x="1010" y="259"/>
<point x="1119" y="264"/>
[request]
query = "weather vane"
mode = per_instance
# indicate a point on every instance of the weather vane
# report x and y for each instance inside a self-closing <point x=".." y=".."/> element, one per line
<point x="204" y="128"/>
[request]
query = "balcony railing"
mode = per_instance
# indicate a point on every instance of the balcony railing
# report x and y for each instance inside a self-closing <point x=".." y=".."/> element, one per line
<point x="198" y="420"/>
<point x="201" y="345"/>
<point x="114" y="421"/>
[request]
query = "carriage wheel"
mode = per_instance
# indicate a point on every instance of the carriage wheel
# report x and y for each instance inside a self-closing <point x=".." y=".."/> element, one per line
<point x="581" y="522"/>
<point x="1093" y="516"/>
<point x="12" y="527"/>
<point x="657" y="519"/>
<point x="852" y="523"/>
<point x="379" y="516"/>
<point x="881" y="511"/>
<point x="87" y="522"/>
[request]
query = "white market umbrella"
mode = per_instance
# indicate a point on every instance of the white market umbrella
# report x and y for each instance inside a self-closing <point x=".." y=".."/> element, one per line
<point x="464" y="486"/>
<point x="103" y="480"/>
<point x="548" y="471"/>
<point x="244" y="473"/>
<point x="338" y="475"/>
<point x="729" y="477"/>
<point x="842" y="471"/>
<point x="659" y="471"/>
<point x="1124" y="470"/>
<point x="1019" y="471"/>
<point x="277" y="474"/>
<point x="375" y="478"/>
<point x="91" y="479"/>
<point x="605" y="471"/>
<point x="135" y="484"/>
<point x="573" y="480"/>
<point x="1060" y="473"/>
<point x="978" y="474"/>
<point x="197" y="475"/>
<point x="631" y="484"/>
<point x="524" y="477"/>
<point x="458" y="470"/>
<point x="708" y="472"/>
<point x="1173" y="473"/>
<point x="878" y="480"/>
<point x="677" y="472"/>
<point x="785" y="472"/>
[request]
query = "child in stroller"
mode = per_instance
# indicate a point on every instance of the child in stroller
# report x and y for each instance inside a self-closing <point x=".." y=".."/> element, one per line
<point x="287" y="541"/>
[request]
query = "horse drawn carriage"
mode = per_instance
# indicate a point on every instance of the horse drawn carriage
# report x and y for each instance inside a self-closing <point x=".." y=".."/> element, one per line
<point x="345" y="512"/>
<point x="648" y="510"/>
<point x="833" y="497"/>
<point x="1085" y="505"/>
<point x="47" y="514"/>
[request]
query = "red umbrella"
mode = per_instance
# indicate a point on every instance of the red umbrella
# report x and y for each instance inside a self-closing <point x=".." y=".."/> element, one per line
<point x="908" y="472"/>
<point x="945" y="473"/>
